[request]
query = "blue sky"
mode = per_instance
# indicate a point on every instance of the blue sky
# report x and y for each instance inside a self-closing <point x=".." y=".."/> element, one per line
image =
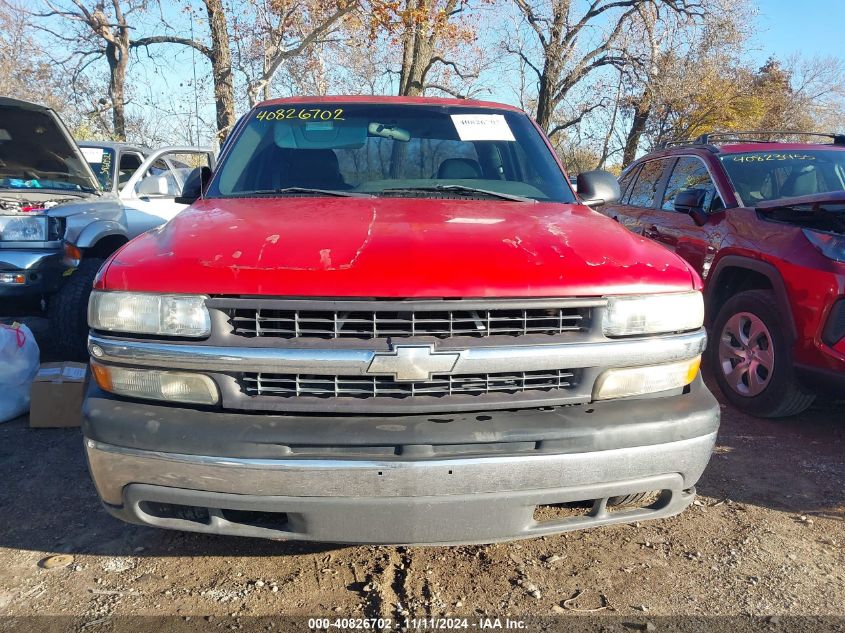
<point x="809" y="27"/>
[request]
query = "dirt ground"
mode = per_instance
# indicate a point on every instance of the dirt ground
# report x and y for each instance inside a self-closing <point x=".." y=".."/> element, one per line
<point x="764" y="538"/>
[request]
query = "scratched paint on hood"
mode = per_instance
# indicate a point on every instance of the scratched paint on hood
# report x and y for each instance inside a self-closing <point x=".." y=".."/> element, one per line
<point x="395" y="247"/>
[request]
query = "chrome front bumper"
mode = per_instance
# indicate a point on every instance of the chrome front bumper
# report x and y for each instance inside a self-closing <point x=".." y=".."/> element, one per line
<point x="469" y="500"/>
<point x="42" y="269"/>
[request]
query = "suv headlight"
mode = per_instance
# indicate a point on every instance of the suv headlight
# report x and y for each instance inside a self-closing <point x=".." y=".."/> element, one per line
<point x="24" y="228"/>
<point x="831" y="245"/>
<point x="654" y="314"/>
<point x="146" y="313"/>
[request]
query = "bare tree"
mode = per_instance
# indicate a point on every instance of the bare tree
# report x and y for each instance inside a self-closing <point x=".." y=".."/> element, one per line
<point x="673" y="53"/>
<point x="648" y="74"/>
<point x="276" y="32"/>
<point x="816" y="90"/>
<point x="219" y="55"/>
<point x="25" y="70"/>
<point x="272" y="34"/>
<point x="90" y="31"/>
<point x="570" y="51"/>
<point x="433" y="38"/>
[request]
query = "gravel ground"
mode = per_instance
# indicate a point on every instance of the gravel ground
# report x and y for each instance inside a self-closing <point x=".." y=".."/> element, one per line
<point x="764" y="538"/>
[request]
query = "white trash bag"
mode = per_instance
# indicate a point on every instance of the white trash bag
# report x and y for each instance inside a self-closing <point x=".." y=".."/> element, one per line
<point x="19" y="362"/>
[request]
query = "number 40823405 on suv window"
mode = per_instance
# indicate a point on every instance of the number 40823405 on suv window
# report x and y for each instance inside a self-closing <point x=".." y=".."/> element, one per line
<point x="763" y="222"/>
<point x="389" y="320"/>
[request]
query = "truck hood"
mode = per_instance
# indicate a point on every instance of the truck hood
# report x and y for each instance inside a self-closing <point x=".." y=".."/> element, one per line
<point x="38" y="153"/>
<point x="821" y="211"/>
<point x="393" y="247"/>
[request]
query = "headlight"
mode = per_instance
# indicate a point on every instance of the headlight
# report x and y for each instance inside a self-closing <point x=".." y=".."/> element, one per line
<point x="23" y="228"/>
<point x="634" y="381"/>
<point x="831" y="245"/>
<point x="151" y="384"/>
<point x="654" y="314"/>
<point x="141" y="313"/>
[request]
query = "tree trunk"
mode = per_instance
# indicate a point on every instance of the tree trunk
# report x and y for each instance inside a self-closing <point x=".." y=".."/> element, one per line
<point x="417" y="51"/>
<point x="605" y="149"/>
<point x="642" y="112"/>
<point x="117" y="81"/>
<point x="545" y="105"/>
<point x="221" y="68"/>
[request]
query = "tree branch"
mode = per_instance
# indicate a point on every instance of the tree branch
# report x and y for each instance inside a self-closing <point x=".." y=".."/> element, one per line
<point x="533" y="21"/>
<point x="172" y="39"/>
<point x="568" y="124"/>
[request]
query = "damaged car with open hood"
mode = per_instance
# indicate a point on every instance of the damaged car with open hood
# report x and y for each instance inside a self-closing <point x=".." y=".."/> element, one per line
<point x="391" y="320"/>
<point x="57" y="223"/>
<point x="43" y="179"/>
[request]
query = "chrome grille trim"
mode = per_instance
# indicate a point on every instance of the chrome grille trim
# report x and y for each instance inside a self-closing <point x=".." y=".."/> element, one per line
<point x="355" y="362"/>
<point x="289" y="324"/>
<point x="319" y="386"/>
<point x="324" y="319"/>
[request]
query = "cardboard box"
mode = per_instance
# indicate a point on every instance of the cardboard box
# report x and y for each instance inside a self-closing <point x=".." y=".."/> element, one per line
<point x="56" y="395"/>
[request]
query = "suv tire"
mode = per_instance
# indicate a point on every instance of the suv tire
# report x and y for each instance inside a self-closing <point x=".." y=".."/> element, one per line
<point x="751" y="357"/>
<point x="68" y="311"/>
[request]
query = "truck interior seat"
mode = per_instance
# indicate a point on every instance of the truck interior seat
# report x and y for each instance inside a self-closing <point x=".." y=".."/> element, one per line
<point x="459" y="169"/>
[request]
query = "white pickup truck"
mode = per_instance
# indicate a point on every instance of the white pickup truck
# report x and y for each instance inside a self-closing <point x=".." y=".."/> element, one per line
<point x="147" y="182"/>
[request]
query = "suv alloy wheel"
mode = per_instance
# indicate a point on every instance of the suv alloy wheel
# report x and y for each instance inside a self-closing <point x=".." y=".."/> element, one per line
<point x="750" y="357"/>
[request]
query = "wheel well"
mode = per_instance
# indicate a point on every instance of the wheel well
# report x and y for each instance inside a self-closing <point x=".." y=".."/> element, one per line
<point x="732" y="280"/>
<point x="106" y="246"/>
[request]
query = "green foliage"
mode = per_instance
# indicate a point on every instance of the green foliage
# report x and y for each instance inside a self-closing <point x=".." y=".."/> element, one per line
<point x="726" y="96"/>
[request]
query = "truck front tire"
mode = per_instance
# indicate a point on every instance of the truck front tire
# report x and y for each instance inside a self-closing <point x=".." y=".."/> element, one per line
<point x="68" y="311"/>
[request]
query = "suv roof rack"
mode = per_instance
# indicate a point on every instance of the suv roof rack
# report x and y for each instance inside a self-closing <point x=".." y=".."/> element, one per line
<point x="756" y="136"/>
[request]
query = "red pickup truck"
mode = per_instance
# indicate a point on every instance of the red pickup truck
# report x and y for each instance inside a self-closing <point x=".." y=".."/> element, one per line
<point x="390" y="320"/>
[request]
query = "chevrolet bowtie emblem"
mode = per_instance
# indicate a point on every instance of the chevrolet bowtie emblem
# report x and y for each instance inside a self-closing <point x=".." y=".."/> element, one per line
<point x="409" y="363"/>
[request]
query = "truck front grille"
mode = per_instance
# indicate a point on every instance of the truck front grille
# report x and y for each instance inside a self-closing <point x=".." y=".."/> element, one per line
<point x="311" y="333"/>
<point x="317" y="386"/>
<point x="441" y="324"/>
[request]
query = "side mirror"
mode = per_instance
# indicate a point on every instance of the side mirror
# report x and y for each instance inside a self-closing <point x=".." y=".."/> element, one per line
<point x="596" y="188"/>
<point x="691" y="201"/>
<point x="195" y="184"/>
<point x="153" y="186"/>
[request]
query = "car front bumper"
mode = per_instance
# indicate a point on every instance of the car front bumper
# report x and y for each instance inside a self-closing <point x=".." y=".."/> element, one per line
<point x="149" y="471"/>
<point x="41" y="269"/>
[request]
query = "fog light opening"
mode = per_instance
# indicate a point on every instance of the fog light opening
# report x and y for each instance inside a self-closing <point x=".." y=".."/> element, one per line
<point x="635" y="500"/>
<point x="252" y="518"/>
<point x="548" y="512"/>
<point x="194" y="514"/>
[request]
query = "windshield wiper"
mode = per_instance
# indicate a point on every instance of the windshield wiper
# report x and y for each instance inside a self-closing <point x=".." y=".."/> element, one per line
<point x="461" y="190"/>
<point x="303" y="190"/>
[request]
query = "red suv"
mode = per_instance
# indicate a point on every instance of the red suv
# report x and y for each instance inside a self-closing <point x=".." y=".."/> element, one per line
<point x="389" y="320"/>
<point x="764" y="224"/>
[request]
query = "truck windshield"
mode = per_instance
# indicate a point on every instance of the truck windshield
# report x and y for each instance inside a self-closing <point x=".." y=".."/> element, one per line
<point x="759" y="176"/>
<point x="390" y="150"/>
